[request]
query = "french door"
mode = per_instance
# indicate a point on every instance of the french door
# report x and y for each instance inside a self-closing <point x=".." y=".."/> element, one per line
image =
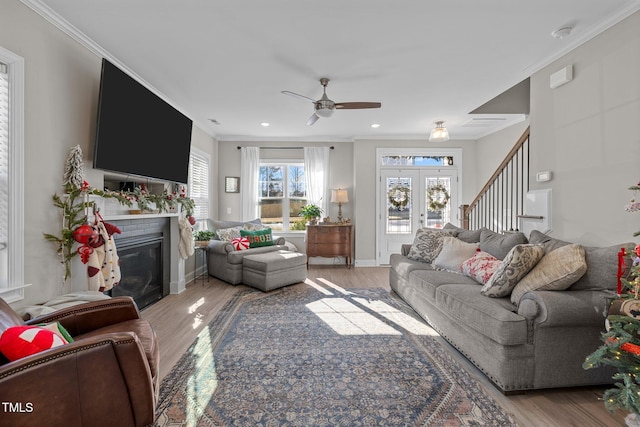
<point x="412" y="198"/>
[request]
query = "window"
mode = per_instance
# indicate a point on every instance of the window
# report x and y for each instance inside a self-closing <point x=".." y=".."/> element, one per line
<point x="11" y="176"/>
<point x="199" y="183"/>
<point x="281" y="194"/>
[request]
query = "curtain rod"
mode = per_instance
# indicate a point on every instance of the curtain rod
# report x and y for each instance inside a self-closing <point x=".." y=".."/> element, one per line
<point x="284" y="148"/>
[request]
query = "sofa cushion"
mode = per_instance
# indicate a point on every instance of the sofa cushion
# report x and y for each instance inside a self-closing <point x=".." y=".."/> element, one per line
<point x="498" y="244"/>
<point x="427" y="244"/>
<point x="556" y="271"/>
<point x="453" y="253"/>
<point x="469" y="236"/>
<point x="602" y="262"/>
<point x="481" y="266"/>
<point x="515" y="265"/>
<point x="429" y="280"/>
<point x="494" y="318"/>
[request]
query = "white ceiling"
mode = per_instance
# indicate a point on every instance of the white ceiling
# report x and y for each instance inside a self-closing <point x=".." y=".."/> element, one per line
<point x="424" y="60"/>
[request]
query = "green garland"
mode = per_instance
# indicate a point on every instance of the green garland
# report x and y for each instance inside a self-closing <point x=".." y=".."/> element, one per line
<point x="399" y="196"/>
<point x="437" y="197"/>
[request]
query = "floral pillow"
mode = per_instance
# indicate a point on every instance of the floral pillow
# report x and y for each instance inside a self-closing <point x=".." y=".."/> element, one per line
<point x="480" y="267"/>
<point x="427" y="244"/>
<point x="516" y="264"/>
<point x="228" y="234"/>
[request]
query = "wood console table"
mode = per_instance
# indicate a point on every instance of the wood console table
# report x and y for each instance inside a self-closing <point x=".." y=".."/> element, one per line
<point x="330" y="240"/>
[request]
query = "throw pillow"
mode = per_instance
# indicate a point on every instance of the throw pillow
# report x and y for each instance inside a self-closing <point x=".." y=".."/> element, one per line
<point x="228" y="234"/>
<point x="258" y="238"/>
<point x="20" y="341"/>
<point x="481" y="266"/>
<point x="427" y="244"/>
<point x="453" y="253"/>
<point x="469" y="236"/>
<point x="240" y="243"/>
<point x="57" y="329"/>
<point x="515" y="265"/>
<point x="556" y="271"/>
<point x="499" y="245"/>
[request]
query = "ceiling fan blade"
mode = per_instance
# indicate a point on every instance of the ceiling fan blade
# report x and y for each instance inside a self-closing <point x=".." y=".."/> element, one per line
<point x="357" y="105"/>
<point x="314" y="118"/>
<point x="297" y="95"/>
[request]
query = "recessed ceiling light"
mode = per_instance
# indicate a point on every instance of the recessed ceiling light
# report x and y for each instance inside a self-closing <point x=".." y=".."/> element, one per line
<point x="375" y="125"/>
<point x="214" y="121"/>
<point x="264" y="124"/>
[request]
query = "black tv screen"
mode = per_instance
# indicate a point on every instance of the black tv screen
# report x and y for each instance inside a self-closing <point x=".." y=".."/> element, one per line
<point x="138" y="133"/>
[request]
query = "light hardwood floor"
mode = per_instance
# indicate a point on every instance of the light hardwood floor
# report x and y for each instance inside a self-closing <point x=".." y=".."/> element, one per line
<point x="178" y="319"/>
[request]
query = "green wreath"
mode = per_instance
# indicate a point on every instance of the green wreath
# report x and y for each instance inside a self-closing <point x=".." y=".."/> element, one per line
<point x="438" y="197"/>
<point x="399" y="196"/>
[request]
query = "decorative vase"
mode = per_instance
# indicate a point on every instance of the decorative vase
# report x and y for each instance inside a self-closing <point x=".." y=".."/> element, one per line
<point x="632" y="420"/>
<point x="202" y="243"/>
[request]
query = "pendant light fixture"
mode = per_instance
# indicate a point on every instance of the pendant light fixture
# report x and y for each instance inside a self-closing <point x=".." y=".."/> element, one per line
<point x="439" y="133"/>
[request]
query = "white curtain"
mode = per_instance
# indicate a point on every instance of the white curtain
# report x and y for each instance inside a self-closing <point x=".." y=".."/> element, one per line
<point x="250" y="170"/>
<point x="316" y="171"/>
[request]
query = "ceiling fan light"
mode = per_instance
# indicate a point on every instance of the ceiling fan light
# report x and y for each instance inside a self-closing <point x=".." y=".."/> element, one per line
<point x="324" y="112"/>
<point x="439" y="133"/>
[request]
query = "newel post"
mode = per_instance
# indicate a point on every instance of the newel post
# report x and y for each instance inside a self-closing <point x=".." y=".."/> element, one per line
<point x="464" y="216"/>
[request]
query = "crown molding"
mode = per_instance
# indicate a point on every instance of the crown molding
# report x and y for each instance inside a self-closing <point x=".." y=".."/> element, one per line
<point x="66" y="27"/>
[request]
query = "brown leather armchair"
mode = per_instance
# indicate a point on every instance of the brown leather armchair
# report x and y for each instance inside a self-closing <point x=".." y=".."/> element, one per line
<point x="107" y="377"/>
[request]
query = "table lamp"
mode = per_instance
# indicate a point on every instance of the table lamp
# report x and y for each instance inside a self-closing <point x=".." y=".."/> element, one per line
<point x="339" y="196"/>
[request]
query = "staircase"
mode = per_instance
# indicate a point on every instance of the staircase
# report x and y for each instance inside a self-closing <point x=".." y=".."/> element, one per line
<point x="502" y="199"/>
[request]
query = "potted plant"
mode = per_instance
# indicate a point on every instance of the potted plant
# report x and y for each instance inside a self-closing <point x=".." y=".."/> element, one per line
<point x="203" y="236"/>
<point x="311" y="213"/>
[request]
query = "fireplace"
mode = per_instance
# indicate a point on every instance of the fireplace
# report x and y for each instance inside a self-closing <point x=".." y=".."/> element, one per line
<point x="143" y="261"/>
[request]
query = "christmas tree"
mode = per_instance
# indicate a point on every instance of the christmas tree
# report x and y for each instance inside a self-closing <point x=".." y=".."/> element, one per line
<point x="621" y="341"/>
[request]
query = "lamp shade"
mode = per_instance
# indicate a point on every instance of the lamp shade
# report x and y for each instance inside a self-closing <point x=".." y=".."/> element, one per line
<point x="439" y="133"/>
<point x="339" y="196"/>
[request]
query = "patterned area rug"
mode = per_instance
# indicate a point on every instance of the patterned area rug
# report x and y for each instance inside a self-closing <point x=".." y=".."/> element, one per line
<point x="319" y="355"/>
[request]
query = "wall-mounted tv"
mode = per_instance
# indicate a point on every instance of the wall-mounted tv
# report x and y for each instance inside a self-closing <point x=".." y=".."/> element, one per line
<point x="138" y="133"/>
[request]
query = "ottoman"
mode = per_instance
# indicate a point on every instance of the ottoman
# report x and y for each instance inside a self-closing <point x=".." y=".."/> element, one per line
<point x="272" y="270"/>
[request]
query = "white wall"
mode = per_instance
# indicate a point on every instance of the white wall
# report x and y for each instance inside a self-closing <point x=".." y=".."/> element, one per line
<point x="587" y="132"/>
<point x="61" y="93"/>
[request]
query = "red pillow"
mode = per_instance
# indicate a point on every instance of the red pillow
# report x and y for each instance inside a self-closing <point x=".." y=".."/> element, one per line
<point x="21" y="341"/>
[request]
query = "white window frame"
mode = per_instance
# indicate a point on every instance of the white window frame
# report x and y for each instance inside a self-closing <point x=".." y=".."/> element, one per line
<point x="285" y="198"/>
<point x="13" y="289"/>
<point x="199" y="184"/>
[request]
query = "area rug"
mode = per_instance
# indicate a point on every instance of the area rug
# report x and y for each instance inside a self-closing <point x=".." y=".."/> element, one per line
<point x="318" y="355"/>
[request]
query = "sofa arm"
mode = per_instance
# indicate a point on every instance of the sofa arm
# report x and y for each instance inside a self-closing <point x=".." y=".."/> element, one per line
<point x="565" y="308"/>
<point x="94" y="381"/>
<point x="86" y="317"/>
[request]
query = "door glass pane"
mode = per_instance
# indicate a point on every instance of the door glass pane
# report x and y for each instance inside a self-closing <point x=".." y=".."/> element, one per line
<point x="399" y="210"/>
<point x="438" y="201"/>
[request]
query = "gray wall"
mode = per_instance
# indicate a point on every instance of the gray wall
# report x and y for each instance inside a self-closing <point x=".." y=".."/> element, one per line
<point x="61" y="93"/>
<point x="587" y="132"/>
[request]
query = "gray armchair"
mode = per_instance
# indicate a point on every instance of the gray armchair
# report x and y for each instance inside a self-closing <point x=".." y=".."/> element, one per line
<point x="225" y="263"/>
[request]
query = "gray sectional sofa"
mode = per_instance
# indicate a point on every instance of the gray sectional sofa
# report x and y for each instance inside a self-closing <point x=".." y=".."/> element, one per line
<point x="539" y="343"/>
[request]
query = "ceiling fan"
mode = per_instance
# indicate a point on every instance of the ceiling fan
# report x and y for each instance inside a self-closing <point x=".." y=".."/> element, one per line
<point x="324" y="107"/>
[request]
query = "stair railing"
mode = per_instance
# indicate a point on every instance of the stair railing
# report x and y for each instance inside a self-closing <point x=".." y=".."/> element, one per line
<point x="502" y="199"/>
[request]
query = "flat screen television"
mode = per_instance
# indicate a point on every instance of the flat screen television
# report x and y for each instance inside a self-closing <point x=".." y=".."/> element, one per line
<point x="138" y="133"/>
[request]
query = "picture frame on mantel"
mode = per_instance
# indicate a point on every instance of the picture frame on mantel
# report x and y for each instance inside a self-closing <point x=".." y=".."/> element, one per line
<point x="231" y="184"/>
